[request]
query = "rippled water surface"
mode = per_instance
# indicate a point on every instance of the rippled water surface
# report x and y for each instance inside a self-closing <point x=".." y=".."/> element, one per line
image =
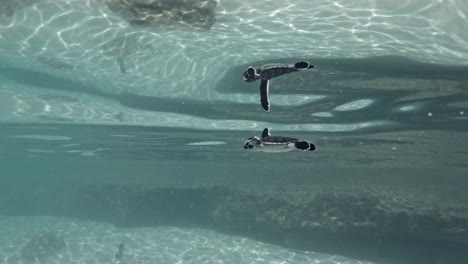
<point x="92" y="98"/>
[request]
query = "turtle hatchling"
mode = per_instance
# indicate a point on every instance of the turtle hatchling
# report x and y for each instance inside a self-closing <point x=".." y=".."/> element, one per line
<point x="268" y="143"/>
<point x="264" y="74"/>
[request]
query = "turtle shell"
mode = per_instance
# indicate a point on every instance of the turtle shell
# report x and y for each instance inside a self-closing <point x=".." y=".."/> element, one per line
<point x="272" y="72"/>
<point x="278" y="140"/>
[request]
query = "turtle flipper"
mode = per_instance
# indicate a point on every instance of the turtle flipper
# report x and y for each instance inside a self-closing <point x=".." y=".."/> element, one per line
<point x="266" y="133"/>
<point x="121" y="63"/>
<point x="305" y="145"/>
<point x="264" y="86"/>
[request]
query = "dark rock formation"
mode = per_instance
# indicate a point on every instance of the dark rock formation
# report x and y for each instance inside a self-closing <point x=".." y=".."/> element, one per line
<point x="172" y="14"/>
<point x="41" y="247"/>
<point x="8" y="7"/>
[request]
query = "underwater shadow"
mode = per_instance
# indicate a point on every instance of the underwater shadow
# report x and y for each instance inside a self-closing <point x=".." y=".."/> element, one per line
<point x="47" y="81"/>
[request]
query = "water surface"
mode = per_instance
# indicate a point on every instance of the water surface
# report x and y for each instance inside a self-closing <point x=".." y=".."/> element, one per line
<point x="141" y="128"/>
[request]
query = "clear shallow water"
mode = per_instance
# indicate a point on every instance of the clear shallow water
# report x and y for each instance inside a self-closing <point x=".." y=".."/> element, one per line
<point x="89" y="102"/>
<point x="91" y="242"/>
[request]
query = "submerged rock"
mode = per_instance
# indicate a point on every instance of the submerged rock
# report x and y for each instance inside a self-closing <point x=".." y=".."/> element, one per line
<point x="172" y="14"/>
<point x="42" y="246"/>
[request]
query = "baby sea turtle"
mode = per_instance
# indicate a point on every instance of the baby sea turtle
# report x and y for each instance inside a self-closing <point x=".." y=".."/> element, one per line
<point x="270" y="143"/>
<point x="269" y="72"/>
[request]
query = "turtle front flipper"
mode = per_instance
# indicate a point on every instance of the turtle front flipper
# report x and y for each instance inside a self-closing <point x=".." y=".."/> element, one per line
<point x="121" y="63"/>
<point x="266" y="133"/>
<point x="264" y="86"/>
<point x="305" y="145"/>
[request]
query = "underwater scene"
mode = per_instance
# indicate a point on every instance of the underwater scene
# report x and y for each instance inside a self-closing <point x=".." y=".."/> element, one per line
<point x="234" y="131"/>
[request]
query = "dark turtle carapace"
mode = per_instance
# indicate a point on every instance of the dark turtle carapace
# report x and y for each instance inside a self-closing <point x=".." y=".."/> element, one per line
<point x="268" y="143"/>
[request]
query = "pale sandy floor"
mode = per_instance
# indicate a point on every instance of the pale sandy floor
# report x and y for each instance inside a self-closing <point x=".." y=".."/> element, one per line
<point x="93" y="242"/>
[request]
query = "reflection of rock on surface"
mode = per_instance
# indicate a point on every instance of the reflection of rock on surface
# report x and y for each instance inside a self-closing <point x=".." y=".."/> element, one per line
<point x="42" y="246"/>
<point x="8" y="7"/>
<point x="54" y="63"/>
<point x="195" y="14"/>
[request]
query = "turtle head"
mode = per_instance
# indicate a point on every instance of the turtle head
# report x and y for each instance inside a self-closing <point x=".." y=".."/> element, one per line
<point x="250" y="75"/>
<point x="252" y="143"/>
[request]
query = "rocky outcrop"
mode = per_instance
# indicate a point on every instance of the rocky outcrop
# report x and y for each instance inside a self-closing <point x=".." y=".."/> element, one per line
<point x="169" y="14"/>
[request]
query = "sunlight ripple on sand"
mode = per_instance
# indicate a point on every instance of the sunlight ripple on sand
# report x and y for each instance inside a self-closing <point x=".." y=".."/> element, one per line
<point x="96" y="243"/>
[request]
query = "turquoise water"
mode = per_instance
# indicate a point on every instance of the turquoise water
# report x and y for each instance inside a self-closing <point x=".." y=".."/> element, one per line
<point x="116" y="129"/>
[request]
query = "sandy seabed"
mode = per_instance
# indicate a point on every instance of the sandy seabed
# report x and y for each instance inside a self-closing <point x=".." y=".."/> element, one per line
<point x="94" y="242"/>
